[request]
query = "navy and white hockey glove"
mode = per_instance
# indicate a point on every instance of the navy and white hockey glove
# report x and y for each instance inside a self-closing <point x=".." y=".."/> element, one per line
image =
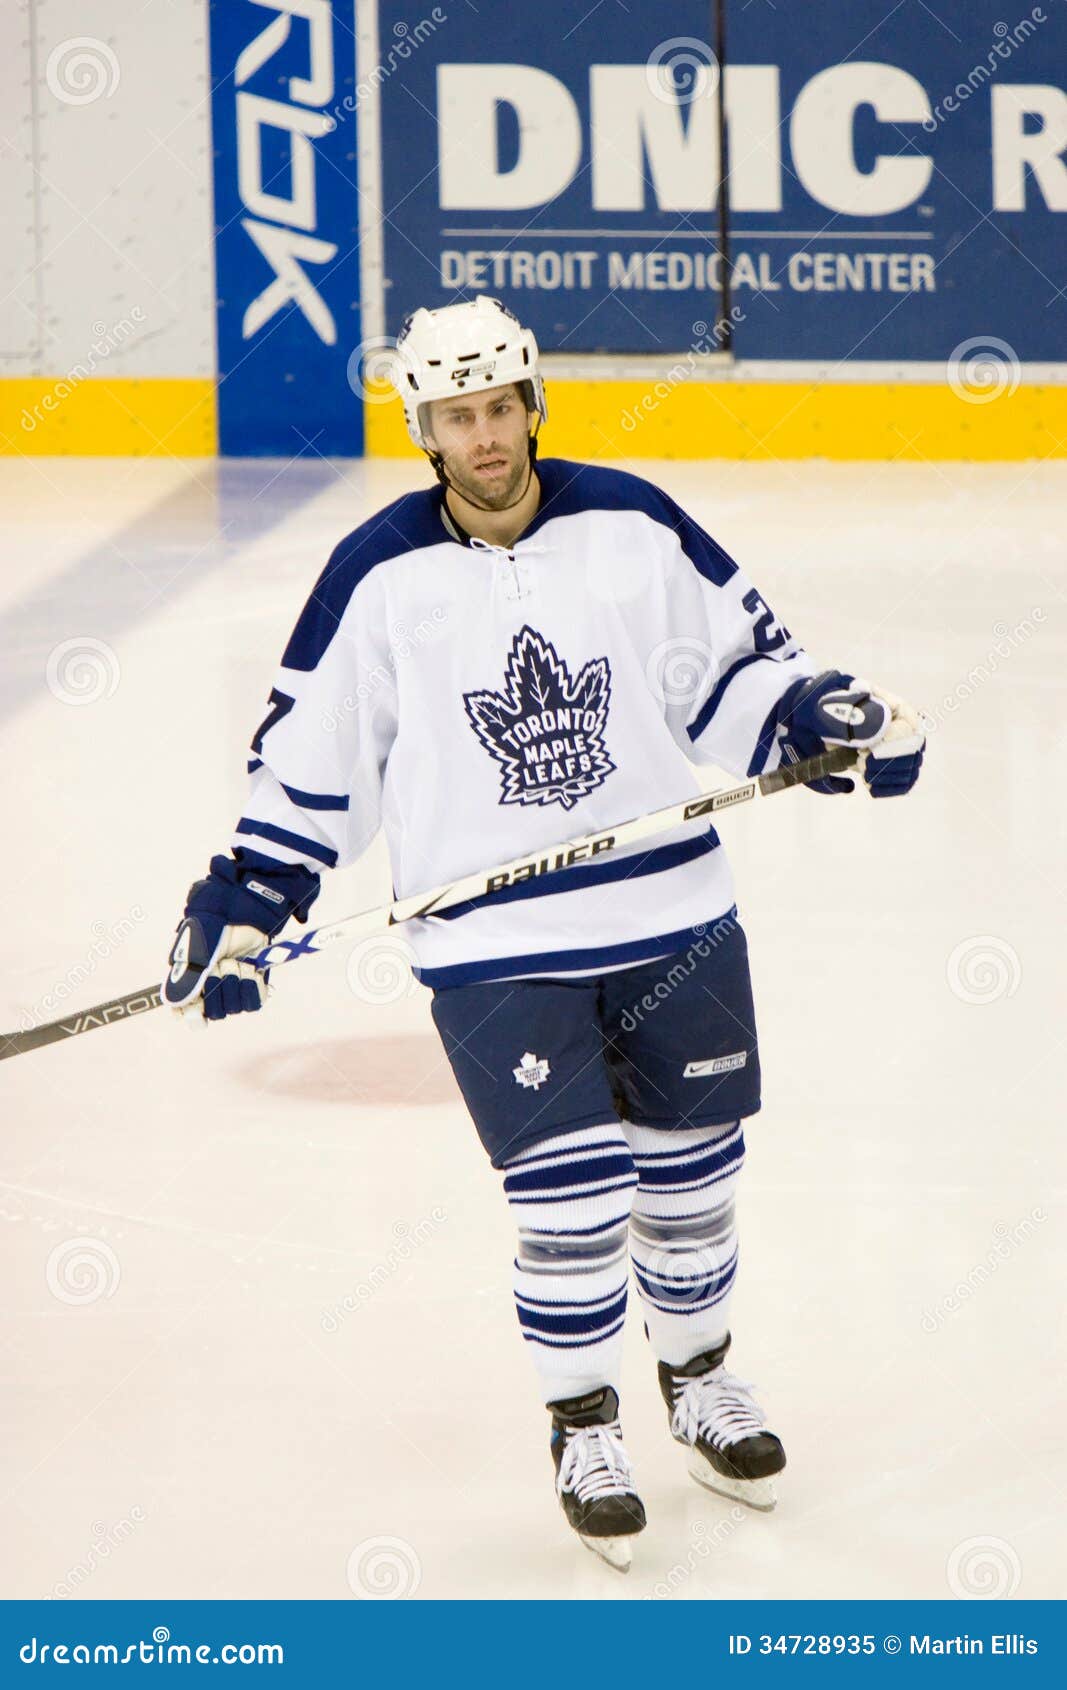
<point x="835" y="709"/>
<point x="892" y="766"/>
<point x="244" y="898"/>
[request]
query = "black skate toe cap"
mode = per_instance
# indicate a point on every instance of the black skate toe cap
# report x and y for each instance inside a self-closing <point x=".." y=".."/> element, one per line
<point x="614" y="1516"/>
<point x="757" y="1457"/>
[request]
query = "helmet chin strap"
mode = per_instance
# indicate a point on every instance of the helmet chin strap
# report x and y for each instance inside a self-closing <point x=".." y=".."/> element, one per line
<point x="438" y="462"/>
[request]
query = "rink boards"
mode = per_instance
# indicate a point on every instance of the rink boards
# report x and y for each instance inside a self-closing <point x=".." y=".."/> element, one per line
<point x="875" y="270"/>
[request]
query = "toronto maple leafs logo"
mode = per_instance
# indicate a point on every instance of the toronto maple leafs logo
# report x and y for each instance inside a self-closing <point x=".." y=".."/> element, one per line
<point x="532" y="1070"/>
<point x="546" y="729"/>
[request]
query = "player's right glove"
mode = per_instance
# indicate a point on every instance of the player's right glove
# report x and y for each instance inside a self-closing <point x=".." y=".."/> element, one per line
<point x="244" y="899"/>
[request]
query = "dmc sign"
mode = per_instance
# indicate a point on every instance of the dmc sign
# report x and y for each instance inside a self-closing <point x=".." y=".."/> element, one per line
<point x="639" y="138"/>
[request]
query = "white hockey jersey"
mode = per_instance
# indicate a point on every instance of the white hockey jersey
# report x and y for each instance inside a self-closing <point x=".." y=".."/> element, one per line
<point x="480" y="703"/>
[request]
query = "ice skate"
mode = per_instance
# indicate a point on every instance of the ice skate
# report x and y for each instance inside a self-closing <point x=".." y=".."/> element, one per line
<point x="594" y="1480"/>
<point x="713" y="1413"/>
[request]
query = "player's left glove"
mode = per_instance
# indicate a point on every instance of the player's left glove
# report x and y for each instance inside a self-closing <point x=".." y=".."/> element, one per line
<point x="244" y="899"/>
<point x="834" y="709"/>
<point x="892" y="766"/>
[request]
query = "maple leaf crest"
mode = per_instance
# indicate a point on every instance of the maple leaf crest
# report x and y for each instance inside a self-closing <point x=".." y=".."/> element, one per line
<point x="546" y="729"/>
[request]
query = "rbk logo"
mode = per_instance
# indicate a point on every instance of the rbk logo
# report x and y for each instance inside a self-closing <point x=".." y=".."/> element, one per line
<point x="546" y="729"/>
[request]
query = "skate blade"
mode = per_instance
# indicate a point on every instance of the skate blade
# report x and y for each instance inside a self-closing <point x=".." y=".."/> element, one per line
<point x="754" y="1493"/>
<point x="618" y="1552"/>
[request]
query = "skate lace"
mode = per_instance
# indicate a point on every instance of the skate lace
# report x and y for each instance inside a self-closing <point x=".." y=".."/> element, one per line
<point x="717" y="1406"/>
<point x="595" y="1463"/>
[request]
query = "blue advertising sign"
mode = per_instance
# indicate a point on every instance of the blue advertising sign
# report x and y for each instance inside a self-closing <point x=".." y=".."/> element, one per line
<point x="895" y="176"/>
<point x="286" y="225"/>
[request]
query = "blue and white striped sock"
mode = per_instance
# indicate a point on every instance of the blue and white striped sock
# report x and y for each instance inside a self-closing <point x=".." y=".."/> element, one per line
<point x="571" y="1196"/>
<point x="683" y="1234"/>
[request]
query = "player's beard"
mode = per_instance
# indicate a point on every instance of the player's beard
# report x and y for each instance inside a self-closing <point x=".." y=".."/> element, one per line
<point x="493" y="493"/>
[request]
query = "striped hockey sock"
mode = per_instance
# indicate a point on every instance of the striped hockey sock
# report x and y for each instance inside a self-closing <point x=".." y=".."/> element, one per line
<point x="571" y="1196"/>
<point x="683" y="1234"/>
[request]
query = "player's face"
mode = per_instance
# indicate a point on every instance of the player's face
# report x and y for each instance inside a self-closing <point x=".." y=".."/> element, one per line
<point x="485" y="443"/>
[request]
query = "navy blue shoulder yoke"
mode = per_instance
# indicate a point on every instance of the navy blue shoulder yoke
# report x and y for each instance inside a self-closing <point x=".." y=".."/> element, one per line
<point x="407" y="525"/>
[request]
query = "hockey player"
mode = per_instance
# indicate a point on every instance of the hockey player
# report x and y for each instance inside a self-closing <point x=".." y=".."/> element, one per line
<point x="599" y="1021"/>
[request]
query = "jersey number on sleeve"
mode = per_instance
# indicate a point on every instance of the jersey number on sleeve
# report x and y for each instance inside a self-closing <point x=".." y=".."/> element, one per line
<point x="768" y="634"/>
<point x="280" y="705"/>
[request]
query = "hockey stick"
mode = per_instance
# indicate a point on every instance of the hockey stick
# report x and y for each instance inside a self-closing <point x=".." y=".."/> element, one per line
<point x="482" y="884"/>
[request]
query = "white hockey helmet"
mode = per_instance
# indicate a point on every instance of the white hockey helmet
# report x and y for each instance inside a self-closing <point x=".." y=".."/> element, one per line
<point x="461" y="349"/>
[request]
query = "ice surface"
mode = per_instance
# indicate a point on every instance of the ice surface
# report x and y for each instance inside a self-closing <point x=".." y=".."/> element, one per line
<point x="265" y="1369"/>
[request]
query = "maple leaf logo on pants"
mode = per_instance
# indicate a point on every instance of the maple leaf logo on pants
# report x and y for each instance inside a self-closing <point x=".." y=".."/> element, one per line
<point x="546" y="729"/>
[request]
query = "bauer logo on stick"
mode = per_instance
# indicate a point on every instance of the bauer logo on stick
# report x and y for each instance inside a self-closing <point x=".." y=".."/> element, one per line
<point x="449" y="895"/>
